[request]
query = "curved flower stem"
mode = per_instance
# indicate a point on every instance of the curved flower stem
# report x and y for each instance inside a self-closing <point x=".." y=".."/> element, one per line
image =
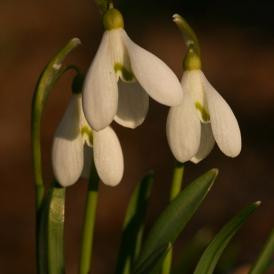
<point x="52" y="72"/>
<point x="176" y="186"/>
<point x="89" y="223"/>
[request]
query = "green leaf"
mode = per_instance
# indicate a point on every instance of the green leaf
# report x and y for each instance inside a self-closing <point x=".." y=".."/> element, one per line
<point x="266" y="256"/>
<point x="177" y="214"/>
<point x="213" y="252"/>
<point x="148" y="265"/>
<point x="55" y="233"/>
<point x="134" y="225"/>
<point x="51" y="236"/>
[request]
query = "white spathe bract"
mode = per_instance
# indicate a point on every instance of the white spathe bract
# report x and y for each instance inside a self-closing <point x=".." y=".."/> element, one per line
<point x="73" y="149"/>
<point x="201" y="119"/>
<point x="119" y="59"/>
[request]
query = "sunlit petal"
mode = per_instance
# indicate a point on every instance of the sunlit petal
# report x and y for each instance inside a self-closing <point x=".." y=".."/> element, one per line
<point x="132" y="106"/>
<point x="153" y="74"/>
<point x="224" y="125"/>
<point x="100" y="93"/>
<point x="183" y="130"/>
<point x="108" y="156"/>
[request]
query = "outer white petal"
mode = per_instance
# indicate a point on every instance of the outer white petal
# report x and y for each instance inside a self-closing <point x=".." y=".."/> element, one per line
<point x="224" y="125"/>
<point x="132" y="106"/>
<point x="183" y="130"/>
<point x="67" y="151"/>
<point x="108" y="156"/>
<point x="100" y="93"/>
<point x="207" y="143"/>
<point x="153" y="74"/>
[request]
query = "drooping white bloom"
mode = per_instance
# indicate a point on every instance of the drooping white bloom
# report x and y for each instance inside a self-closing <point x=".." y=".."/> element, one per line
<point x="201" y="119"/>
<point x="121" y="77"/>
<point x="76" y="146"/>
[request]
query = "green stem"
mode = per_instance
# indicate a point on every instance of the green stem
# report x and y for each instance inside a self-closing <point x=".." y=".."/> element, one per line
<point x="89" y="223"/>
<point x="52" y="72"/>
<point x="176" y="186"/>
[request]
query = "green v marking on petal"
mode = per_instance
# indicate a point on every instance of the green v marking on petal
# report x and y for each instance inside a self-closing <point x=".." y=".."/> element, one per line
<point x="86" y="131"/>
<point x="126" y="74"/>
<point x="204" y="113"/>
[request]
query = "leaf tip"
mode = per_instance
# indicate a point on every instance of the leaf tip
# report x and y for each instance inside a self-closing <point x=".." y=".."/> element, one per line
<point x="258" y="203"/>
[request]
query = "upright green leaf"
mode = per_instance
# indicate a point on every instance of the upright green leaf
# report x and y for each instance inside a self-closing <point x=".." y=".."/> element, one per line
<point x="51" y="234"/>
<point x="177" y="214"/>
<point x="134" y="225"/>
<point x="55" y="233"/>
<point x="213" y="252"/>
<point x="266" y="256"/>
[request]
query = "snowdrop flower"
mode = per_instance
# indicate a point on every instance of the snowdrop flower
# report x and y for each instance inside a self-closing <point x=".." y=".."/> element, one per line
<point x="121" y="78"/>
<point x="201" y="119"/>
<point x="76" y="146"/>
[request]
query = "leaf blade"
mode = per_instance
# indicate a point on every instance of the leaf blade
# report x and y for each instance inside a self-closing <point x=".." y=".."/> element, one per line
<point x="213" y="252"/>
<point x="177" y="214"/>
<point x="265" y="257"/>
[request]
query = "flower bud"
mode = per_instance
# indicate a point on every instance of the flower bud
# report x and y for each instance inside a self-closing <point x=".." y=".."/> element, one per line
<point x="113" y="19"/>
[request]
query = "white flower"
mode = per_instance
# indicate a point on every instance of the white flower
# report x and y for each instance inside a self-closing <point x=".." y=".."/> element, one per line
<point x="141" y="73"/>
<point x="201" y="119"/>
<point x="75" y="144"/>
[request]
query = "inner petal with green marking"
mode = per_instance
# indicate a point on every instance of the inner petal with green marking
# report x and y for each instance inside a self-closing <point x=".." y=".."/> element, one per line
<point x="86" y="134"/>
<point x="123" y="72"/>
<point x="203" y="112"/>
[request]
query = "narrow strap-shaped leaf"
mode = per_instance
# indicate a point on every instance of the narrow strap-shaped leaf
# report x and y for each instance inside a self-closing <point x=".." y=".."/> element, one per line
<point x="51" y="233"/>
<point x="134" y="225"/>
<point x="213" y="252"/>
<point x="266" y="256"/>
<point x="148" y="265"/>
<point x="177" y="214"/>
<point x="55" y="233"/>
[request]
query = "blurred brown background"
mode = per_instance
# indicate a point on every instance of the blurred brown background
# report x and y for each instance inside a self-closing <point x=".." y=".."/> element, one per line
<point x="238" y="58"/>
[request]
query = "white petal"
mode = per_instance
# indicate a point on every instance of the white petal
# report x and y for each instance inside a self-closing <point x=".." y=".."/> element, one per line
<point x="183" y="130"/>
<point x="67" y="151"/>
<point x="100" y="93"/>
<point x="108" y="156"/>
<point x="224" y="125"/>
<point x="207" y="143"/>
<point x="153" y="74"/>
<point x="132" y="105"/>
<point x="192" y="83"/>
